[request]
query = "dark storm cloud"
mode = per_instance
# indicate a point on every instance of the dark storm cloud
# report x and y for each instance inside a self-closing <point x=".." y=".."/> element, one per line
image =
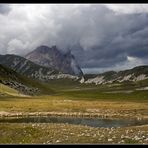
<point x="130" y="40"/>
<point x="4" y="9"/>
<point x="98" y="35"/>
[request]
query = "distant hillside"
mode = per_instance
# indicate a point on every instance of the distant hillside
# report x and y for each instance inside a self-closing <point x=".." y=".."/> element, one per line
<point x="32" y="70"/>
<point x="26" y="67"/>
<point x="136" y="74"/>
<point x="21" y="83"/>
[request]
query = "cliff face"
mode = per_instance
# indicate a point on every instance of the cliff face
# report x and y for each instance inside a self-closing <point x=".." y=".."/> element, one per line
<point x="54" y="58"/>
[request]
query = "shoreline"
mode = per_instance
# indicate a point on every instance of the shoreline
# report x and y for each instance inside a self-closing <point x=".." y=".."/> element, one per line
<point x="4" y="114"/>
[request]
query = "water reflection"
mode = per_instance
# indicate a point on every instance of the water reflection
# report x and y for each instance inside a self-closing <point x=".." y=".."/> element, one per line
<point x="93" y="122"/>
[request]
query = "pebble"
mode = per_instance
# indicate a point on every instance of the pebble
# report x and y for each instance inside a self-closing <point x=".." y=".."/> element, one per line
<point x="102" y="136"/>
<point x="58" y="141"/>
<point x="137" y="138"/>
<point x="143" y="136"/>
<point x="109" y="140"/>
<point x="122" y="141"/>
<point x="122" y="136"/>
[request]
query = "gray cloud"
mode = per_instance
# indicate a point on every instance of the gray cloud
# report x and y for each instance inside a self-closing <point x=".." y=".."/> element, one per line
<point x="100" y="36"/>
<point x="4" y="9"/>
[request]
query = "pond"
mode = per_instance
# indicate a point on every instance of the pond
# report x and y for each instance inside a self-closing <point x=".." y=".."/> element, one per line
<point x="93" y="122"/>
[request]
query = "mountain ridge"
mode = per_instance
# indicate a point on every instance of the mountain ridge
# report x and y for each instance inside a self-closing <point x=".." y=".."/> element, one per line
<point x="137" y="73"/>
<point x="25" y="67"/>
<point x="31" y="70"/>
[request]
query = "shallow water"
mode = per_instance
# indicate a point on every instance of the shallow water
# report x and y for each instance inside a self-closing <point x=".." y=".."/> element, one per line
<point x="93" y="122"/>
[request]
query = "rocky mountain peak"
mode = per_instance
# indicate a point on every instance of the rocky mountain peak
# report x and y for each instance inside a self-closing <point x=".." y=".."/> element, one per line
<point x="52" y="57"/>
<point x="42" y="49"/>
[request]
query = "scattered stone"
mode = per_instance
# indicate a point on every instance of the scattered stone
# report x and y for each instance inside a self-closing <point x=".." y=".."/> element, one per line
<point x="110" y="140"/>
<point x="122" y="141"/>
<point x="57" y="141"/>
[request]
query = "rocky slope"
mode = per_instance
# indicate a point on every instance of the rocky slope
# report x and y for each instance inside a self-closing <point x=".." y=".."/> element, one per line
<point x="52" y="57"/>
<point x="23" y="84"/>
<point x="136" y="74"/>
<point x="10" y="78"/>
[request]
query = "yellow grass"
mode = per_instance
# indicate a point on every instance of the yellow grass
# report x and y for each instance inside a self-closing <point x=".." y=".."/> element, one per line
<point x="69" y="105"/>
<point x="5" y="90"/>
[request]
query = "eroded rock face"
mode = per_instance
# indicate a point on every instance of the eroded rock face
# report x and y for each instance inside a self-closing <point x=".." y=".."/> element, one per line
<point x="101" y="80"/>
<point x="136" y="74"/>
<point x="54" y="58"/>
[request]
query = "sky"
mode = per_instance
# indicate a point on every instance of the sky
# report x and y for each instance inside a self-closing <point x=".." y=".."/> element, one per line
<point x="102" y="37"/>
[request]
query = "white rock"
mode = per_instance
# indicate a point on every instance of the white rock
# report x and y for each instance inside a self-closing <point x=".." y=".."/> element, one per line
<point x="96" y="80"/>
<point x="122" y="141"/>
<point x="58" y="141"/>
<point x="109" y="140"/>
<point x="82" y="80"/>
